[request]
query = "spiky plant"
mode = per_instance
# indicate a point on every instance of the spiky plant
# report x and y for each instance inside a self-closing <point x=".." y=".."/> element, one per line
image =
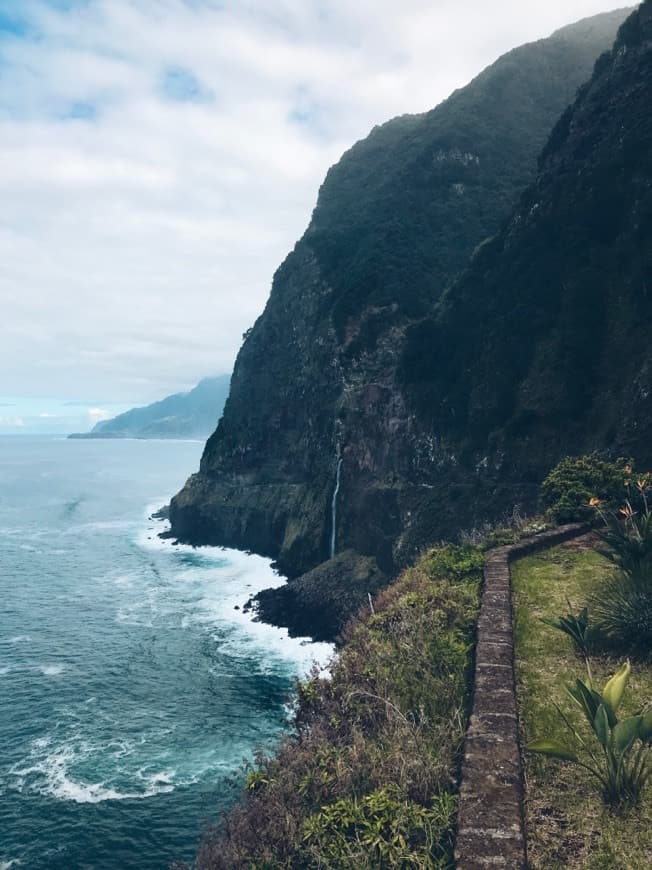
<point x="621" y="759"/>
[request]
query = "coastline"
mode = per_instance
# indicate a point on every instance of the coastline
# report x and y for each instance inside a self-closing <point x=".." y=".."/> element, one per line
<point x="244" y="610"/>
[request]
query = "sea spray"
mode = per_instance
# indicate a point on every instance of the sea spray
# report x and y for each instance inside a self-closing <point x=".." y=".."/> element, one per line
<point x="334" y="503"/>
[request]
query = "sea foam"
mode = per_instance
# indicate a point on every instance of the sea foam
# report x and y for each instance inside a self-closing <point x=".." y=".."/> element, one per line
<point x="224" y="580"/>
<point x="51" y="670"/>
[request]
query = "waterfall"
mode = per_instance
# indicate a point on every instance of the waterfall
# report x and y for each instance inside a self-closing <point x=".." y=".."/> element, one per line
<point x="334" y="503"/>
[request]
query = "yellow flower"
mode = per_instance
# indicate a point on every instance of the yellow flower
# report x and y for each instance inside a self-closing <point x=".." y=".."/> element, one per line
<point x="594" y="502"/>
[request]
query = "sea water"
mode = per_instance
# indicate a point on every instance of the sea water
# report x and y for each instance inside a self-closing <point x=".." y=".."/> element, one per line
<point x="131" y="688"/>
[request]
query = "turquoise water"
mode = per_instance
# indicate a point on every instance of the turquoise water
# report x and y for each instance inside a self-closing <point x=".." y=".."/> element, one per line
<point x="130" y="686"/>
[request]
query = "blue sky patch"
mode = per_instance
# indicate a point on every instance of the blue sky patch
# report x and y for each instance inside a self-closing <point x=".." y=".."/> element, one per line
<point x="12" y="22"/>
<point x="182" y="86"/>
<point x="81" y="112"/>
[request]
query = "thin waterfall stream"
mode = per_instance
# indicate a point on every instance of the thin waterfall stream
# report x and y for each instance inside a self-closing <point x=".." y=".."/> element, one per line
<point x="334" y="504"/>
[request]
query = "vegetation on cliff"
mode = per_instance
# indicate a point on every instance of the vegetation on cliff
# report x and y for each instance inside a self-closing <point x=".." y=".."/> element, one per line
<point x="542" y="346"/>
<point x="368" y="779"/>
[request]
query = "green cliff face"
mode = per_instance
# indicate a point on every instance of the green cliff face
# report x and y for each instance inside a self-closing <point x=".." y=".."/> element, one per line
<point x="542" y="347"/>
<point x="343" y="363"/>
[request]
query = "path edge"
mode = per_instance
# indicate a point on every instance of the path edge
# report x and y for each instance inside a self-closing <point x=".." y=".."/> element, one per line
<point x="490" y="819"/>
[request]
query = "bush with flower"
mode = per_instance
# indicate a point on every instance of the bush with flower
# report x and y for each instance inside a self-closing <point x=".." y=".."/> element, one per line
<point x="622" y="607"/>
<point x="567" y="491"/>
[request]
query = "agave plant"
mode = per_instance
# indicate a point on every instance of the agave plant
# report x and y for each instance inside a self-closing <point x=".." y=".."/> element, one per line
<point x="621" y="759"/>
<point x="576" y="627"/>
<point x="622" y="608"/>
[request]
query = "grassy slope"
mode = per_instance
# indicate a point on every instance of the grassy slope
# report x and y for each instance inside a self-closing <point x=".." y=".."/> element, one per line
<point x="568" y="825"/>
<point x="368" y="779"/>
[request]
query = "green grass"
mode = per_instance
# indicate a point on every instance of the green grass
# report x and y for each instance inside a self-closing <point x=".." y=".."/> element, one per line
<point x="568" y="825"/>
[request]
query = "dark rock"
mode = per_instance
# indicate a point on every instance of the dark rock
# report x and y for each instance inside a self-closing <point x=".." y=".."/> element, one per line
<point x="319" y="603"/>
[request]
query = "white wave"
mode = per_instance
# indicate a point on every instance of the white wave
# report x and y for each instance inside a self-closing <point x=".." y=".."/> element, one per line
<point x="127" y="616"/>
<point x="50" y="774"/>
<point x="225" y="580"/>
<point x="20" y="638"/>
<point x="7" y="865"/>
<point x="4" y="670"/>
<point x="98" y="526"/>
<point x="95" y="793"/>
<point x="53" y="670"/>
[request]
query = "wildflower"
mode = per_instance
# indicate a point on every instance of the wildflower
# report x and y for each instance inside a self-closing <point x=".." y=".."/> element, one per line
<point x="594" y="502"/>
<point x="626" y="511"/>
<point x="642" y="483"/>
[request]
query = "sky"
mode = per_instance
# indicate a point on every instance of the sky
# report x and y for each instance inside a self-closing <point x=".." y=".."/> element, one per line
<point x="159" y="159"/>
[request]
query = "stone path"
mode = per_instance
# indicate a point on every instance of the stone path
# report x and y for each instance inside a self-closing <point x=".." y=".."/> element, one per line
<point x="491" y="831"/>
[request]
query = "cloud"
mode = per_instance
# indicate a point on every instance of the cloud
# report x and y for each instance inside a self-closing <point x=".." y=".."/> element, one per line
<point x="12" y="422"/>
<point x="159" y="158"/>
<point x="97" y="414"/>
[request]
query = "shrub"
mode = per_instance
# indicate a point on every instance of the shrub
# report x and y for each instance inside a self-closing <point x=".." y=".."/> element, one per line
<point x="456" y="563"/>
<point x="577" y="628"/>
<point x="567" y="490"/>
<point x="627" y="531"/>
<point x="622" y="610"/>
<point x="622" y="606"/>
<point x="369" y="775"/>
<point x="381" y="830"/>
<point x="621" y="760"/>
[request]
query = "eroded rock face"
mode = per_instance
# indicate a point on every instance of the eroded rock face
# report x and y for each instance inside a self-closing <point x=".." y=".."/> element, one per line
<point x="542" y="348"/>
<point x="324" y="376"/>
<point x="320" y="602"/>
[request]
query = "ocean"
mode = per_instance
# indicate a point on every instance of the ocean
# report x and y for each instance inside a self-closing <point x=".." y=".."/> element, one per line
<point x="132" y="691"/>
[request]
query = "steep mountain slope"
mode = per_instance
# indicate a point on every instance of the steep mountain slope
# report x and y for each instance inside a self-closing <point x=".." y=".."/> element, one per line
<point x="183" y="415"/>
<point x="320" y="390"/>
<point x="543" y="348"/>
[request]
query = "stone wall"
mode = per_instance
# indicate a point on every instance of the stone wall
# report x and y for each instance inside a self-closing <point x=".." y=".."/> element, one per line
<point x="491" y="830"/>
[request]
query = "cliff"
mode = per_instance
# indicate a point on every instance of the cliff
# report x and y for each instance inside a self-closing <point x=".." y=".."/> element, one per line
<point x="541" y="349"/>
<point x="341" y="379"/>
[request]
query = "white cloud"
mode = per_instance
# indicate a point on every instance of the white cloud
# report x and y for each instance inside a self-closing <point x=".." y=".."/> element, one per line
<point x="97" y="414"/>
<point x="158" y="158"/>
